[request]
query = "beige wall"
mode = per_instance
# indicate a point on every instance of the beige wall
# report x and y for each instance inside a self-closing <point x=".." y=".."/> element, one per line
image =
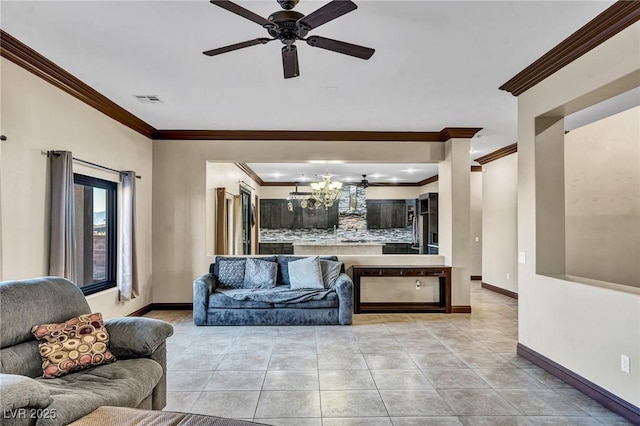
<point x="602" y="203"/>
<point x="36" y="116"/>
<point x="584" y="327"/>
<point x="476" y="223"/>
<point x="500" y="223"/>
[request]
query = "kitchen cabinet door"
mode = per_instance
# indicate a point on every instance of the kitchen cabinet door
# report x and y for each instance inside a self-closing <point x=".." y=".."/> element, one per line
<point x="274" y="214"/>
<point x="384" y="214"/>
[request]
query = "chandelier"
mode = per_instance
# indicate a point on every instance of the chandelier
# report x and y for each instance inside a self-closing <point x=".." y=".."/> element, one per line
<point x="326" y="192"/>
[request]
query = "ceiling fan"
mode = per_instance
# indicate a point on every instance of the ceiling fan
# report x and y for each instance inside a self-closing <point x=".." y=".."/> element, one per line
<point x="364" y="182"/>
<point x="288" y="26"/>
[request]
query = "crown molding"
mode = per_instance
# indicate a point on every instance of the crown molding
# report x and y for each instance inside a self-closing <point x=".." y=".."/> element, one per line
<point x="604" y="26"/>
<point x="495" y="155"/>
<point x="458" y="133"/>
<point x="376" y="184"/>
<point x="27" y="58"/>
<point x="476" y="168"/>
<point x="249" y="172"/>
<point x="317" y="135"/>
<point x="428" y="180"/>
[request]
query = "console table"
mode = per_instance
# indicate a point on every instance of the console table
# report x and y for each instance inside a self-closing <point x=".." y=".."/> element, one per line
<point x="440" y="271"/>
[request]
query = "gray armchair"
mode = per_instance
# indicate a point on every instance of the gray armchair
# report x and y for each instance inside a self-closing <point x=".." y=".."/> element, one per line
<point x="137" y="379"/>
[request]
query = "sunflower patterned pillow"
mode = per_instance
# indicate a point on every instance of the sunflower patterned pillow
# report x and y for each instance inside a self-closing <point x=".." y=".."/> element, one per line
<point x="73" y="345"/>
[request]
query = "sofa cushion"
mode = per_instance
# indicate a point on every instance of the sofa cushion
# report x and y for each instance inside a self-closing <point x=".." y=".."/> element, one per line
<point x="219" y="300"/>
<point x="124" y="383"/>
<point x="260" y="273"/>
<point x="23" y="359"/>
<point x="214" y="267"/>
<point x="20" y="391"/>
<point x="330" y="272"/>
<point x="231" y="272"/>
<point x="75" y="344"/>
<point x="306" y="273"/>
<point x="283" y="267"/>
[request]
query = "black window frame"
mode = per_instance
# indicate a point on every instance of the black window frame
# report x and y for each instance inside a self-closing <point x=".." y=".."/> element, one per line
<point x="111" y="269"/>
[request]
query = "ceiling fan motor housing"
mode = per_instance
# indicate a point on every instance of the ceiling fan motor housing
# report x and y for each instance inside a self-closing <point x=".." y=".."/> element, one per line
<point x="287" y="28"/>
<point x="288" y="4"/>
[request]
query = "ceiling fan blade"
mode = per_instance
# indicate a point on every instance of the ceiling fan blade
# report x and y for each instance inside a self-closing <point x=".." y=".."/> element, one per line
<point x="237" y="46"/>
<point x="239" y="10"/>
<point x="326" y="13"/>
<point x="340" y="47"/>
<point x="290" y="61"/>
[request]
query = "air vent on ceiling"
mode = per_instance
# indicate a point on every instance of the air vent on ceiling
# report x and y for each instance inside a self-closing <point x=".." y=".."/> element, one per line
<point x="148" y="99"/>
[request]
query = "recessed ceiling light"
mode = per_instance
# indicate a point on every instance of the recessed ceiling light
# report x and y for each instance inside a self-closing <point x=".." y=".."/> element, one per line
<point x="376" y="175"/>
<point x="410" y="170"/>
<point x="276" y="175"/>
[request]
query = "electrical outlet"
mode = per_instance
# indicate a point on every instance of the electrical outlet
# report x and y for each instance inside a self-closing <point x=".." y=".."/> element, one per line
<point x="625" y="364"/>
<point x="418" y="284"/>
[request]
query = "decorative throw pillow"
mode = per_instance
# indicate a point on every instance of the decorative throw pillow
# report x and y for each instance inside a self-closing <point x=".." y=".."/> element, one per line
<point x="73" y="345"/>
<point x="330" y="272"/>
<point x="260" y="274"/>
<point x="231" y="273"/>
<point x="306" y="273"/>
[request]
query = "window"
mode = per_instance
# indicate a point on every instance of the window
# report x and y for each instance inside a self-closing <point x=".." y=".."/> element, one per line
<point x="95" y="208"/>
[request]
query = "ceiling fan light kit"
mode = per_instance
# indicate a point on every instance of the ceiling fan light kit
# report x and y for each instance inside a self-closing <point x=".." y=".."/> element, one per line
<point x="289" y="26"/>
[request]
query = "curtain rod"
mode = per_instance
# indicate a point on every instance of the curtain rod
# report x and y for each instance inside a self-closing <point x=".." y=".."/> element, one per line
<point x="246" y="184"/>
<point x="48" y="153"/>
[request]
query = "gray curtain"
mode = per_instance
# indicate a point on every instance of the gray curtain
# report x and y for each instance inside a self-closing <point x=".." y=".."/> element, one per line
<point x="128" y="282"/>
<point x="62" y="249"/>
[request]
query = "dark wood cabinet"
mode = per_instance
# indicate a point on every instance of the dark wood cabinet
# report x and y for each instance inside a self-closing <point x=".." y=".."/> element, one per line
<point x="275" y="248"/>
<point x="399" y="248"/>
<point x="321" y="218"/>
<point x="275" y="214"/>
<point x="384" y="214"/>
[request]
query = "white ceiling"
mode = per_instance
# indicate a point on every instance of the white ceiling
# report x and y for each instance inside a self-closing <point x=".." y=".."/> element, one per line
<point x="437" y="63"/>
<point x="343" y="172"/>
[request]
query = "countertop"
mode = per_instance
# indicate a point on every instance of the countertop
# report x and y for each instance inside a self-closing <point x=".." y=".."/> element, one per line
<point x="339" y="242"/>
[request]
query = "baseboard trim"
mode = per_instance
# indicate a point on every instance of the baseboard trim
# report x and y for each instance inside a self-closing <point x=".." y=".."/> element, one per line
<point x="476" y="277"/>
<point x="602" y="396"/>
<point x="162" y="307"/>
<point x="461" y="309"/>
<point x="141" y="312"/>
<point x="500" y="290"/>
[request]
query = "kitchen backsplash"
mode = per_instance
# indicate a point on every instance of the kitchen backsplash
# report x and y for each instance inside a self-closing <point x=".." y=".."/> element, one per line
<point x="352" y="224"/>
<point x="394" y="235"/>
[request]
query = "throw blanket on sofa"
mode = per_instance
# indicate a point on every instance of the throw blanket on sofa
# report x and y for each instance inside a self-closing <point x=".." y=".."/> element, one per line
<point x="277" y="295"/>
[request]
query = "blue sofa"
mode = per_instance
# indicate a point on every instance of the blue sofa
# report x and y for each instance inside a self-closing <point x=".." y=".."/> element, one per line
<point x="213" y="306"/>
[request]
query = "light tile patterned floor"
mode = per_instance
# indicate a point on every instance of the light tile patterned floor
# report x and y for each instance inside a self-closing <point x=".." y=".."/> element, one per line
<point x="417" y="369"/>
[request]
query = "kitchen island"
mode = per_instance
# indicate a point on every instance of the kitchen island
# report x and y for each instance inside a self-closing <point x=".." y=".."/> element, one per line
<point x="336" y="248"/>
